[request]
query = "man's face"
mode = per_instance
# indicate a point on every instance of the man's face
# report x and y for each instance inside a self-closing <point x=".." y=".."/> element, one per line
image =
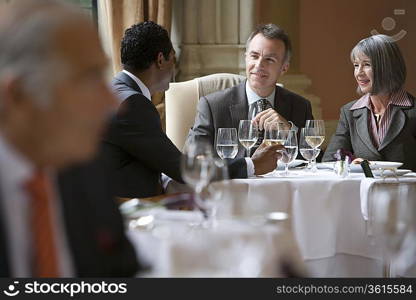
<point x="265" y="64"/>
<point x="166" y="72"/>
<point x="73" y="123"/>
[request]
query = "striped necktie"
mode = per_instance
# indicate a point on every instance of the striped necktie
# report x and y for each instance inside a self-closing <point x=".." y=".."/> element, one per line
<point x="261" y="105"/>
<point x="44" y="245"/>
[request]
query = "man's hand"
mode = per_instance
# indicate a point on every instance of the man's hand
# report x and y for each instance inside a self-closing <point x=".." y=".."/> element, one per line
<point x="265" y="158"/>
<point x="268" y="116"/>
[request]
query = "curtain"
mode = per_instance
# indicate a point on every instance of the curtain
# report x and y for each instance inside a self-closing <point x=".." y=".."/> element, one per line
<point x="115" y="16"/>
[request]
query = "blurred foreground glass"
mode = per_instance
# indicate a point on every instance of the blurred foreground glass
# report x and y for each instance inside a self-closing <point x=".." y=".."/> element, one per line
<point x="308" y="152"/>
<point x="197" y="165"/>
<point x="247" y="134"/>
<point x="392" y="216"/>
<point x="212" y="194"/>
<point x="227" y="143"/>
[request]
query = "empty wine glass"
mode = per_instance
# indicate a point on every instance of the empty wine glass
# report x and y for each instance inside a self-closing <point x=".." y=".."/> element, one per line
<point x="308" y="152"/>
<point x="291" y="149"/>
<point x="197" y="167"/>
<point x="247" y="134"/>
<point x="227" y="143"/>
<point x="391" y="217"/>
<point x="211" y="194"/>
<point x="315" y="133"/>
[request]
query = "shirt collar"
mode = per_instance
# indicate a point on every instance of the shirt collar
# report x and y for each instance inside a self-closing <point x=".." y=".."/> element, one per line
<point x="399" y="98"/>
<point x="142" y="86"/>
<point x="15" y="168"/>
<point x="253" y="97"/>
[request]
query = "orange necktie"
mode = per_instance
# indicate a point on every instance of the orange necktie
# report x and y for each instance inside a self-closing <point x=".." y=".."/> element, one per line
<point x="44" y="247"/>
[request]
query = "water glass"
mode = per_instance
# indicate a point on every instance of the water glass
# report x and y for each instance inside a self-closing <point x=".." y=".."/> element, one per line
<point x="247" y="134"/>
<point x="309" y="153"/>
<point x="291" y="149"/>
<point x="227" y="143"/>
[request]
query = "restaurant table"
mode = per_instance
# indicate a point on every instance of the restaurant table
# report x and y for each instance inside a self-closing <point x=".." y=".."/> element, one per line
<point x="177" y="245"/>
<point x="327" y="216"/>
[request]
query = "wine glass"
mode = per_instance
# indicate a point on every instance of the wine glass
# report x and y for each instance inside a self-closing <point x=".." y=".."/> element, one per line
<point x="247" y="134"/>
<point x="309" y="153"/>
<point x="212" y="194"/>
<point x="391" y="217"/>
<point x="227" y="143"/>
<point x="273" y="134"/>
<point x="197" y="167"/>
<point x="314" y="133"/>
<point x="291" y="148"/>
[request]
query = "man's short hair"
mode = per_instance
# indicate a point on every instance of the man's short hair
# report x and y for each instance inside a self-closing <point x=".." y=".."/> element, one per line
<point x="273" y="32"/>
<point x="389" y="68"/>
<point x="141" y="45"/>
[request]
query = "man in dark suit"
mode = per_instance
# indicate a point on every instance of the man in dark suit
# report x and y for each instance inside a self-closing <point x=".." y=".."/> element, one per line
<point x="135" y="148"/>
<point x="267" y="58"/>
<point x="57" y="216"/>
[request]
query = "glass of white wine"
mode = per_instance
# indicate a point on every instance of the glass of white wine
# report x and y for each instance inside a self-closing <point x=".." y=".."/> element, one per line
<point x="274" y="135"/>
<point x="308" y="152"/>
<point x="247" y="134"/>
<point x="227" y="143"/>
<point x="314" y="133"/>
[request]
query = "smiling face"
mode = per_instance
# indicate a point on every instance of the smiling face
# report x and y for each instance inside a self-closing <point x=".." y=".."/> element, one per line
<point x="265" y="64"/>
<point x="363" y="73"/>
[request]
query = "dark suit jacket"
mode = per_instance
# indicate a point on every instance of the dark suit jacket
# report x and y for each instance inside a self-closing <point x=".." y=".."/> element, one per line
<point x="227" y="107"/>
<point x="399" y="144"/>
<point x="94" y="228"/>
<point x="136" y="150"/>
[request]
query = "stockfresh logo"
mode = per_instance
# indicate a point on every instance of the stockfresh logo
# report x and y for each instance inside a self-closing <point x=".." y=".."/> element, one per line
<point x="12" y="290"/>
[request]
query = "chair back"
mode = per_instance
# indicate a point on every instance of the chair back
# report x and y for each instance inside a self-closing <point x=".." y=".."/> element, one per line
<point x="182" y="98"/>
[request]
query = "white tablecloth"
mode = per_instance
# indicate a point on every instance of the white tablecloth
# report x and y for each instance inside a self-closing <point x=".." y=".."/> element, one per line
<point x="326" y="218"/>
<point x="230" y="249"/>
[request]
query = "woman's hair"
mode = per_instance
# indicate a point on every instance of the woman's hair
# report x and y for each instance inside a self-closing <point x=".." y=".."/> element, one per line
<point x="389" y="69"/>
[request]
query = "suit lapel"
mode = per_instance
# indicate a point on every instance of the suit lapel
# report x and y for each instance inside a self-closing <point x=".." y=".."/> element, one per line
<point x="282" y="104"/>
<point x="361" y="116"/>
<point x="397" y="122"/>
<point x="239" y="106"/>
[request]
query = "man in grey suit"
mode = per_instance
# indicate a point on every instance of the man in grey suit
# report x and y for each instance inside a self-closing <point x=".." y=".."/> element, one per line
<point x="267" y="58"/>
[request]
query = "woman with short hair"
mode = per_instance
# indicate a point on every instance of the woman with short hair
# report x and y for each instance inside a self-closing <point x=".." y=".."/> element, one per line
<point x="381" y="125"/>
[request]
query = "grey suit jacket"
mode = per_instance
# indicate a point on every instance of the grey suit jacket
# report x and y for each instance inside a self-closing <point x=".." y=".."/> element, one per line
<point x="399" y="144"/>
<point x="227" y="107"/>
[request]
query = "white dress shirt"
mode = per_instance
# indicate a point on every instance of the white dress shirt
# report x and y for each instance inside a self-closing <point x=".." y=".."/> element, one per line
<point x="142" y="86"/>
<point x="15" y="171"/>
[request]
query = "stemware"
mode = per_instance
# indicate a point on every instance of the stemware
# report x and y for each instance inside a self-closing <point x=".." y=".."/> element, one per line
<point x="291" y="148"/>
<point x="227" y="143"/>
<point x="315" y="133"/>
<point x="247" y="134"/>
<point x="197" y="166"/>
<point x="273" y="136"/>
<point x="307" y="151"/>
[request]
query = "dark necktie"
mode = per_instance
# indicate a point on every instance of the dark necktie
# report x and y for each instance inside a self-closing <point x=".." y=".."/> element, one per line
<point x="260" y="105"/>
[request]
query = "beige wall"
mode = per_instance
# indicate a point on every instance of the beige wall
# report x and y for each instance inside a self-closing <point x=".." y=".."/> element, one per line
<point x="328" y="31"/>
